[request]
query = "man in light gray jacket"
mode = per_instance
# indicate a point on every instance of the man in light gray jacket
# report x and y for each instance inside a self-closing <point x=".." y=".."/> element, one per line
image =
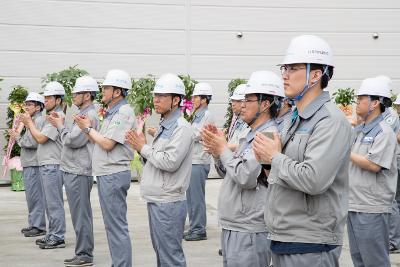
<point x="201" y="160"/>
<point x="166" y="172"/>
<point x="33" y="105"/>
<point x="242" y="200"/>
<point x="307" y="197"/>
<point x="76" y="168"/>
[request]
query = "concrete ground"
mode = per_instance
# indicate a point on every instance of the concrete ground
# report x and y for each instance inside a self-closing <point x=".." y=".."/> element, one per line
<point x="19" y="251"/>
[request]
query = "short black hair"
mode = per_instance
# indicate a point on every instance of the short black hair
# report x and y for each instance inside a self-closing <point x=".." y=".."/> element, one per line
<point x="206" y="97"/>
<point x="326" y="77"/>
<point x="273" y="108"/>
<point x="387" y="102"/>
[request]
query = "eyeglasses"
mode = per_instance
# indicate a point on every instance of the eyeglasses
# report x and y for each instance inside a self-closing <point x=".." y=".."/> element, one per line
<point x="286" y="69"/>
<point x="246" y="100"/>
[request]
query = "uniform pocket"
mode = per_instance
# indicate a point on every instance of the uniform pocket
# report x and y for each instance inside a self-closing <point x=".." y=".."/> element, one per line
<point x="251" y="200"/>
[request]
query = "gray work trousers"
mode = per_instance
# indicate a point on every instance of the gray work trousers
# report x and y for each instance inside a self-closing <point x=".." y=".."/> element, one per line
<point x="34" y="197"/>
<point x="78" y="188"/>
<point x="241" y="249"/>
<point x="394" y="224"/>
<point x="52" y="183"/>
<point x="369" y="239"/>
<point x="113" y="190"/>
<point x="319" y="259"/>
<point x="195" y="197"/>
<point x="166" y="221"/>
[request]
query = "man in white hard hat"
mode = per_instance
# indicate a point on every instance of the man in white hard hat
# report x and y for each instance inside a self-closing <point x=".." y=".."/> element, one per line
<point x="242" y="200"/>
<point x="238" y="128"/>
<point x="49" y="156"/>
<point x="111" y="162"/>
<point x="166" y="172"/>
<point x="373" y="177"/>
<point x="195" y="194"/>
<point x="308" y="182"/>
<point x="76" y="167"/>
<point x="33" y="105"/>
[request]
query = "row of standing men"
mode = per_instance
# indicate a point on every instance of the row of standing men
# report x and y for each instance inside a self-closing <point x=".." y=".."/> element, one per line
<point x="285" y="197"/>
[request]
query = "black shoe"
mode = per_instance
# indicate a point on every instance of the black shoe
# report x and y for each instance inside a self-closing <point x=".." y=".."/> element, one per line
<point x="196" y="237"/>
<point x="393" y="249"/>
<point x="42" y="240"/>
<point x="220" y="252"/>
<point x="70" y="260"/>
<point x="50" y="244"/>
<point x="79" y="262"/>
<point x="35" y="232"/>
<point x="26" y="229"/>
<point x="185" y="234"/>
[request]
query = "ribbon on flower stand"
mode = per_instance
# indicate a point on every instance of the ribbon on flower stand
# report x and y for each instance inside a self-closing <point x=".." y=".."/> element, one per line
<point x="16" y="108"/>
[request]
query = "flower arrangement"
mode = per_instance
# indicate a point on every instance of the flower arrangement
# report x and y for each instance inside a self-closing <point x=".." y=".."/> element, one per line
<point x="344" y="98"/>
<point x="140" y="97"/>
<point x="16" y="99"/>
<point x="187" y="105"/>
<point x="231" y="87"/>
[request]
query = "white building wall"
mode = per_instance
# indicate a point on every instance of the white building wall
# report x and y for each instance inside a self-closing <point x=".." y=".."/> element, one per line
<point x="196" y="37"/>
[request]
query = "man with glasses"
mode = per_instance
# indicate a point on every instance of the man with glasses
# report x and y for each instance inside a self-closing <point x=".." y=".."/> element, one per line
<point x="307" y="196"/>
<point x="76" y="167"/>
<point x="111" y="163"/>
<point x="241" y="203"/>
<point x="33" y="105"/>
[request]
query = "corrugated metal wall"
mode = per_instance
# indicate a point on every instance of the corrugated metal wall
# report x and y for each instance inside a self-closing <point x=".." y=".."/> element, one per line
<point x="196" y="37"/>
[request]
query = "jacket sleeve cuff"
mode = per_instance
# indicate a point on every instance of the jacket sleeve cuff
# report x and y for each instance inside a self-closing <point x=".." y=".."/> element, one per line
<point x="225" y="156"/>
<point x="146" y="151"/>
<point x="276" y="167"/>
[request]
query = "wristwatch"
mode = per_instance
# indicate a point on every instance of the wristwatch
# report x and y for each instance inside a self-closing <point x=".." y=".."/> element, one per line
<point x="86" y="130"/>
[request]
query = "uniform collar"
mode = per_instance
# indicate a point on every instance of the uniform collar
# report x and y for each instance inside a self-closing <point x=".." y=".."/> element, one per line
<point x="283" y="117"/>
<point x="116" y="107"/>
<point x="366" y="128"/>
<point x="168" y="122"/>
<point x="37" y="114"/>
<point x="260" y="128"/>
<point x="86" y="109"/>
<point x="315" y="105"/>
<point x="200" y="112"/>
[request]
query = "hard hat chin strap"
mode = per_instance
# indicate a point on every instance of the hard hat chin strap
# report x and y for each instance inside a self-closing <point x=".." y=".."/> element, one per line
<point x="307" y="86"/>
<point x="258" y="112"/>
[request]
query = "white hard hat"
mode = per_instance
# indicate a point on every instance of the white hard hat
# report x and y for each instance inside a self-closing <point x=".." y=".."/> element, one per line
<point x="169" y="84"/>
<point x="239" y="92"/>
<point x="376" y="86"/>
<point x="202" y="89"/>
<point x="118" y="78"/>
<point x="33" y="96"/>
<point x="397" y="101"/>
<point x="308" y="49"/>
<point x="53" y="88"/>
<point x="85" y="84"/>
<point x="264" y="82"/>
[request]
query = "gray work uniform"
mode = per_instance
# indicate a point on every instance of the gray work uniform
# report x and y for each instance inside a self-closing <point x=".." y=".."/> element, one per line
<point x="311" y="174"/>
<point x="241" y="204"/>
<point x="76" y="167"/>
<point x="112" y="169"/>
<point x="371" y="194"/>
<point x="49" y="156"/>
<point x="32" y="181"/>
<point x="391" y="117"/>
<point x="239" y="130"/>
<point x="164" y="183"/>
<point x="201" y="160"/>
<point x="283" y="123"/>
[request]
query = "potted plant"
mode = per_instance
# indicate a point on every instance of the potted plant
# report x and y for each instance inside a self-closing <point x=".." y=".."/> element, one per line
<point x="187" y="105"/>
<point x="345" y="98"/>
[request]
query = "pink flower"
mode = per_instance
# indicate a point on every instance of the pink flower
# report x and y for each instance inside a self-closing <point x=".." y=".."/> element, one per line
<point x="187" y="106"/>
